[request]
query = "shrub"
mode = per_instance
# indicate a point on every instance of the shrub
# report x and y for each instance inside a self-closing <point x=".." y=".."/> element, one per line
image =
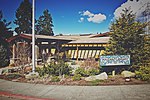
<point x="54" y="68"/>
<point x="76" y="77"/>
<point x="93" y="71"/>
<point x="133" y="68"/>
<point x="90" y="63"/>
<point x="143" y="73"/>
<point x="73" y="63"/>
<point x="55" y="79"/>
<point x="81" y="71"/>
<point x="4" y="54"/>
<point x="42" y="71"/>
<point x="64" y="68"/>
<point x="13" y="76"/>
<point x="87" y="72"/>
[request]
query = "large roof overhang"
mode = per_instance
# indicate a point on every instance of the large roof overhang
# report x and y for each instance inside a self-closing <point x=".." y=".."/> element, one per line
<point x="38" y="37"/>
<point x="70" y="39"/>
<point x="18" y="36"/>
<point x="96" y="40"/>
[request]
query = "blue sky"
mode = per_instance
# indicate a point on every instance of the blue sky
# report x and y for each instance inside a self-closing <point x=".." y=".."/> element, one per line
<point x="67" y="13"/>
<point x="72" y="16"/>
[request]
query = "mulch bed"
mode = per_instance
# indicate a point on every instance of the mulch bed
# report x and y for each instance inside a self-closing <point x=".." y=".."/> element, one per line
<point x="117" y="80"/>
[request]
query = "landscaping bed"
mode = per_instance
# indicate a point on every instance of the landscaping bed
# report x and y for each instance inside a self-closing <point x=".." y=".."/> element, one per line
<point x="87" y="73"/>
<point x="115" y="80"/>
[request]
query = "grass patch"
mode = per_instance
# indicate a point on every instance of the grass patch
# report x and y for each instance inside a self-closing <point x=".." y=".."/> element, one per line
<point x="95" y="82"/>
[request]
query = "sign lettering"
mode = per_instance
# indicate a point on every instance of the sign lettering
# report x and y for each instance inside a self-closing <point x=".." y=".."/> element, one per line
<point x="115" y="60"/>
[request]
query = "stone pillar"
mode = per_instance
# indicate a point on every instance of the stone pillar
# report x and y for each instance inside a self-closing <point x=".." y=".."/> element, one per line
<point x="14" y="53"/>
<point x="36" y="54"/>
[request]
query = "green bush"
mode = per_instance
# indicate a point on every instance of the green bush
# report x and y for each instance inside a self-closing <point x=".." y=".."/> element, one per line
<point x="73" y="63"/>
<point x="87" y="72"/>
<point x="76" y="77"/>
<point x="13" y="76"/>
<point x="55" y="79"/>
<point x="143" y="73"/>
<point x="4" y="54"/>
<point x="93" y="71"/>
<point x="82" y="72"/>
<point x="42" y="71"/>
<point x="54" y="68"/>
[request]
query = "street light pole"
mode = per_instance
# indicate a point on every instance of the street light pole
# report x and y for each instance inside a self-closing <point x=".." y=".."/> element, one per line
<point x="33" y="36"/>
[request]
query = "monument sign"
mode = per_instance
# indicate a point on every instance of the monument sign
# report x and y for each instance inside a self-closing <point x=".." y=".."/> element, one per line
<point x="113" y="60"/>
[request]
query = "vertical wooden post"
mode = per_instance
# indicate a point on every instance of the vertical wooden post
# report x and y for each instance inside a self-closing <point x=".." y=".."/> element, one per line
<point x="77" y="53"/>
<point x="113" y="73"/>
<point x="14" y="54"/>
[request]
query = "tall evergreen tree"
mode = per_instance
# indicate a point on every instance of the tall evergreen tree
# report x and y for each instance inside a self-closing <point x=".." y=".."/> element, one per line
<point x="127" y="37"/>
<point x="24" y="18"/>
<point x="5" y="33"/>
<point x="146" y="49"/>
<point x="45" y="24"/>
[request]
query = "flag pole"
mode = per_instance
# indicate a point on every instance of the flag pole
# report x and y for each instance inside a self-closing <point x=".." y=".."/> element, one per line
<point x="33" y="36"/>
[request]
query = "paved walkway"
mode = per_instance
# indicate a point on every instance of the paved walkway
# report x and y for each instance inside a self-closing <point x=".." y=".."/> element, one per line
<point x="54" y="92"/>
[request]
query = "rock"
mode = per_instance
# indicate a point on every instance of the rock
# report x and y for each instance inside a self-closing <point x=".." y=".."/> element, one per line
<point x="5" y="71"/>
<point x="90" y="78"/>
<point x="127" y="74"/>
<point x="74" y="68"/>
<point x="28" y="69"/>
<point x="15" y="80"/>
<point x="101" y="76"/>
<point x="32" y="75"/>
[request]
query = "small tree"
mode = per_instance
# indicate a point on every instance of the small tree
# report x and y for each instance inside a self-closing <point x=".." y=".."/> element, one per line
<point x="5" y="33"/>
<point x="45" y="24"/>
<point x="4" y="53"/>
<point x="24" y="18"/>
<point x="127" y="37"/>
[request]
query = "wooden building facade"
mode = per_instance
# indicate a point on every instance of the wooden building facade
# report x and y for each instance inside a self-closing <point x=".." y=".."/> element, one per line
<point x="78" y="47"/>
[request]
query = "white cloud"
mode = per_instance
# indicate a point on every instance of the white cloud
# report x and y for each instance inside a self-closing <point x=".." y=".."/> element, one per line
<point x="81" y="19"/>
<point x="136" y="5"/>
<point x="91" y="17"/>
<point x="97" y="18"/>
<point x="87" y="13"/>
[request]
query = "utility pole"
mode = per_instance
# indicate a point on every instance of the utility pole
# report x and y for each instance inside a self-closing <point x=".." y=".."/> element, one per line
<point x="33" y="36"/>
